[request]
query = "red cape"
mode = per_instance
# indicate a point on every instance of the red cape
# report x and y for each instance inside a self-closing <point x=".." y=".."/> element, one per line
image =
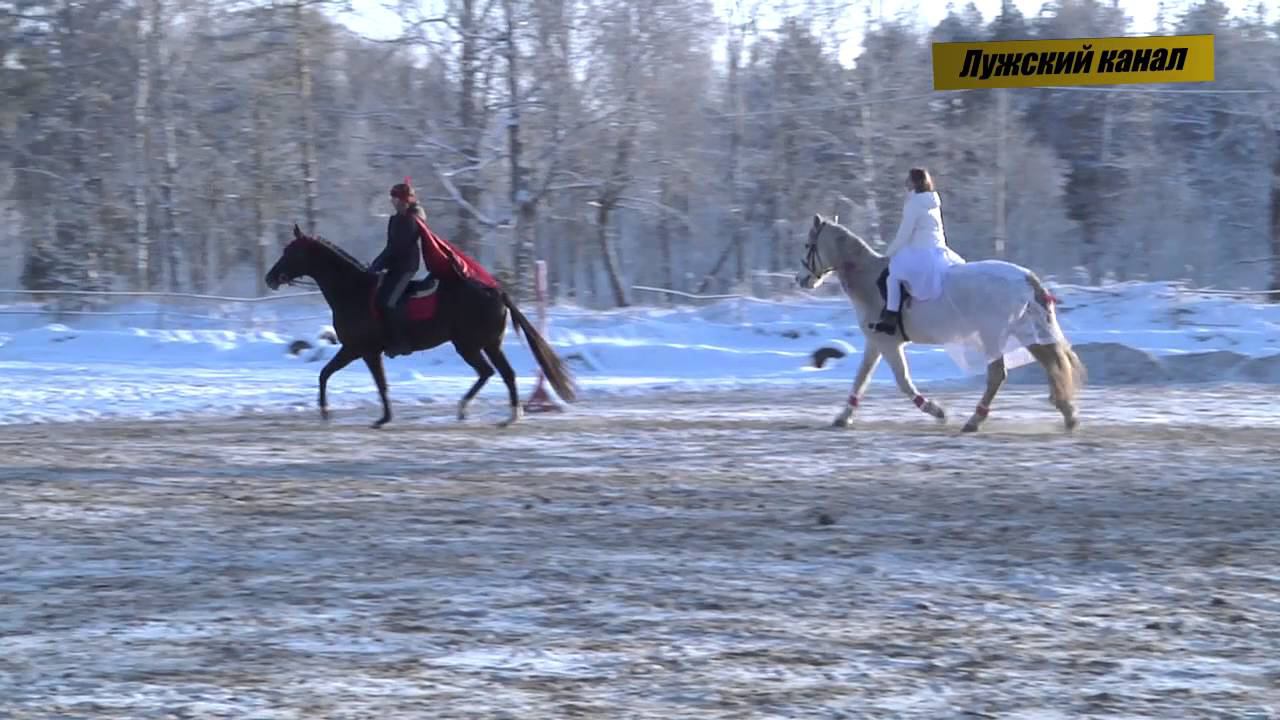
<point x="442" y="258"/>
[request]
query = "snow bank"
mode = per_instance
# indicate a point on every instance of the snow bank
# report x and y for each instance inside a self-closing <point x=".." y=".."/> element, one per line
<point x="146" y="361"/>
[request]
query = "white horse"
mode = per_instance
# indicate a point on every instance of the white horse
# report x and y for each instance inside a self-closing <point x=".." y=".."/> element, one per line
<point x="991" y="306"/>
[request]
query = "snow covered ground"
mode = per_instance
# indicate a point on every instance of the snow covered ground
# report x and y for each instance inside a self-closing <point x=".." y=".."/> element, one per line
<point x="145" y="361"/>
<point x="713" y="555"/>
<point x="692" y="540"/>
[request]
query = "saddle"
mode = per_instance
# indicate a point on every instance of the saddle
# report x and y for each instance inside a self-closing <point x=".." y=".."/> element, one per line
<point x="418" y="302"/>
<point x="420" y="288"/>
<point x="883" y="284"/>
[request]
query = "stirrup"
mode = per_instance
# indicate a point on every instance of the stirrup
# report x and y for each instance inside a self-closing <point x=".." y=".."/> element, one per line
<point x="887" y="324"/>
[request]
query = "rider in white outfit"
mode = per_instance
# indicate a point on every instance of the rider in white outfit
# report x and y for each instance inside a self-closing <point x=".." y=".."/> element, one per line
<point x="918" y="255"/>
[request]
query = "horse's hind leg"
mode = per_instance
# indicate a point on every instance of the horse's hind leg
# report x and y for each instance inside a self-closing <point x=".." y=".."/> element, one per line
<point x="996" y="375"/>
<point x="499" y="360"/>
<point x="476" y="360"/>
<point x="1059" y="372"/>
<point x="898" y="363"/>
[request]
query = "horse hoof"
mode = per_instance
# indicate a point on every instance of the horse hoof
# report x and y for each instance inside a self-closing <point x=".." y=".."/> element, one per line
<point x="969" y="427"/>
<point x="377" y="424"/>
<point x="515" y="417"/>
<point x="324" y="414"/>
<point x="841" y="422"/>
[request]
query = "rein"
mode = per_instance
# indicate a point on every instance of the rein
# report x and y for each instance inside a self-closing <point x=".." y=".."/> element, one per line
<point x="306" y="284"/>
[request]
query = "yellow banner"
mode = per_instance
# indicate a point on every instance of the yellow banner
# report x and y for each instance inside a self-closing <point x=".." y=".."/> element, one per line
<point x="1077" y="61"/>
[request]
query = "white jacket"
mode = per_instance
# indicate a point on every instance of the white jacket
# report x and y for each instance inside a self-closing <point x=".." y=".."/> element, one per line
<point x="921" y="223"/>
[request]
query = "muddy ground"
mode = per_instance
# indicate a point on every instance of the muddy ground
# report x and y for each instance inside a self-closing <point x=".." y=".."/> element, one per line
<point x="715" y="556"/>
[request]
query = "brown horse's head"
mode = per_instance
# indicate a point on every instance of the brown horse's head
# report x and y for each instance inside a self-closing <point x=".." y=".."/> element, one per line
<point x="292" y="263"/>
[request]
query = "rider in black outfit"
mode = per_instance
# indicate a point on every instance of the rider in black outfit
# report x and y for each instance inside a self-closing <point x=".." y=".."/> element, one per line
<point x="400" y="258"/>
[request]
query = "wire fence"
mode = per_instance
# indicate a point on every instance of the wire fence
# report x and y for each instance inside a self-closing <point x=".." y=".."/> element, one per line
<point x="173" y="310"/>
<point x="159" y="310"/>
<point x="160" y="295"/>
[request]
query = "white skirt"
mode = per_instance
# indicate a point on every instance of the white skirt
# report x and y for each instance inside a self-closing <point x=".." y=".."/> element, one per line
<point x="922" y="269"/>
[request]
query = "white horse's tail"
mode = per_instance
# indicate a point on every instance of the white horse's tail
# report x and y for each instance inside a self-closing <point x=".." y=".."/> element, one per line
<point x="1046" y="319"/>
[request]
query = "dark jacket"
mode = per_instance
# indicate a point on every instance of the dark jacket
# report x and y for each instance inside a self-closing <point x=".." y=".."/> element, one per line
<point x="402" y="253"/>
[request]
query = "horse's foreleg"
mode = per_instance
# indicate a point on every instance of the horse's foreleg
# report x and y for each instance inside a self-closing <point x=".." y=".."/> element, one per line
<point x="870" y="360"/>
<point x="341" y="359"/>
<point x="898" y="363"/>
<point x="374" y="361"/>
<point x="499" y="360"/>
<point x="477" y="362"/>
<point x="996" y="375"/>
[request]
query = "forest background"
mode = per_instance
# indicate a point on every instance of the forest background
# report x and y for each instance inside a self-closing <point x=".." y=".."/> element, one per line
<point x="170" y="145"/>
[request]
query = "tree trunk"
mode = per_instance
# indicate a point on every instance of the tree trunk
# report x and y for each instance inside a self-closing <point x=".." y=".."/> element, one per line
<point x="781" y="238"/>
<point x="719" y="264"/>
<point x="525" y="236"/>
<point x="211" y="240"/>
<point x="167" y="195"/>
<point x="573" y="262"/>
<point x="867" y="140"/>
<point x="172" y="228"/>
<point x="261" y="239"/>
<point x="605" y="245"/>
<point x="521" y="199"/>
<point x="735" y="149"/>
<point x="1275" y="221"/>
<point x="74" y="241"/>
<point x="1100" y="252"/>
<point x="469" y="187"/>
<point x="666" y="265"/>
<point x="141" y="143"/>
<point x="308" y="124"/>
<point x="1089" y="252"/>
<point x="554" y="243"/>
<point x="592" y="277"/>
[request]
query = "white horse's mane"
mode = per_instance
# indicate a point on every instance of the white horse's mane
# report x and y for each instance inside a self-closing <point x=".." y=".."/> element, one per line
<point x="834" y="223"/>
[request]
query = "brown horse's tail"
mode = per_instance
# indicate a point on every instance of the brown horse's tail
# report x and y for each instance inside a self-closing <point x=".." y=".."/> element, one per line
<point x="552" y="367"/>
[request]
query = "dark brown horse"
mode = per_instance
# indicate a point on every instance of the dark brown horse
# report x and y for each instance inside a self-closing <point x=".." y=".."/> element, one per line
<point x="471" y="316"/>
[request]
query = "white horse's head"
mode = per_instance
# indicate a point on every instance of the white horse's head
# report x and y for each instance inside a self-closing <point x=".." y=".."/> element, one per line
<point x="823" y="251"/>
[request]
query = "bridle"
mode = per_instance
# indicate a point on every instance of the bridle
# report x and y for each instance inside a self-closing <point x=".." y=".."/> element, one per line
<point x="813" y="260"/>
<point x="300" y="281"/>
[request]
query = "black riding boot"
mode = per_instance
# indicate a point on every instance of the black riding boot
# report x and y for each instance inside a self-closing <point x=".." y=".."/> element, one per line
<point x="888" y="323"/>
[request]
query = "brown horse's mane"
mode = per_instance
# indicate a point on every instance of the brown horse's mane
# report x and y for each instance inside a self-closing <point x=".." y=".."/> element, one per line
<point x="339" y="252"/>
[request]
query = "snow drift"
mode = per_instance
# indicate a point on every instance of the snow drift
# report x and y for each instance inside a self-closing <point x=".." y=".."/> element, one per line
<point x="150" y="361"/>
